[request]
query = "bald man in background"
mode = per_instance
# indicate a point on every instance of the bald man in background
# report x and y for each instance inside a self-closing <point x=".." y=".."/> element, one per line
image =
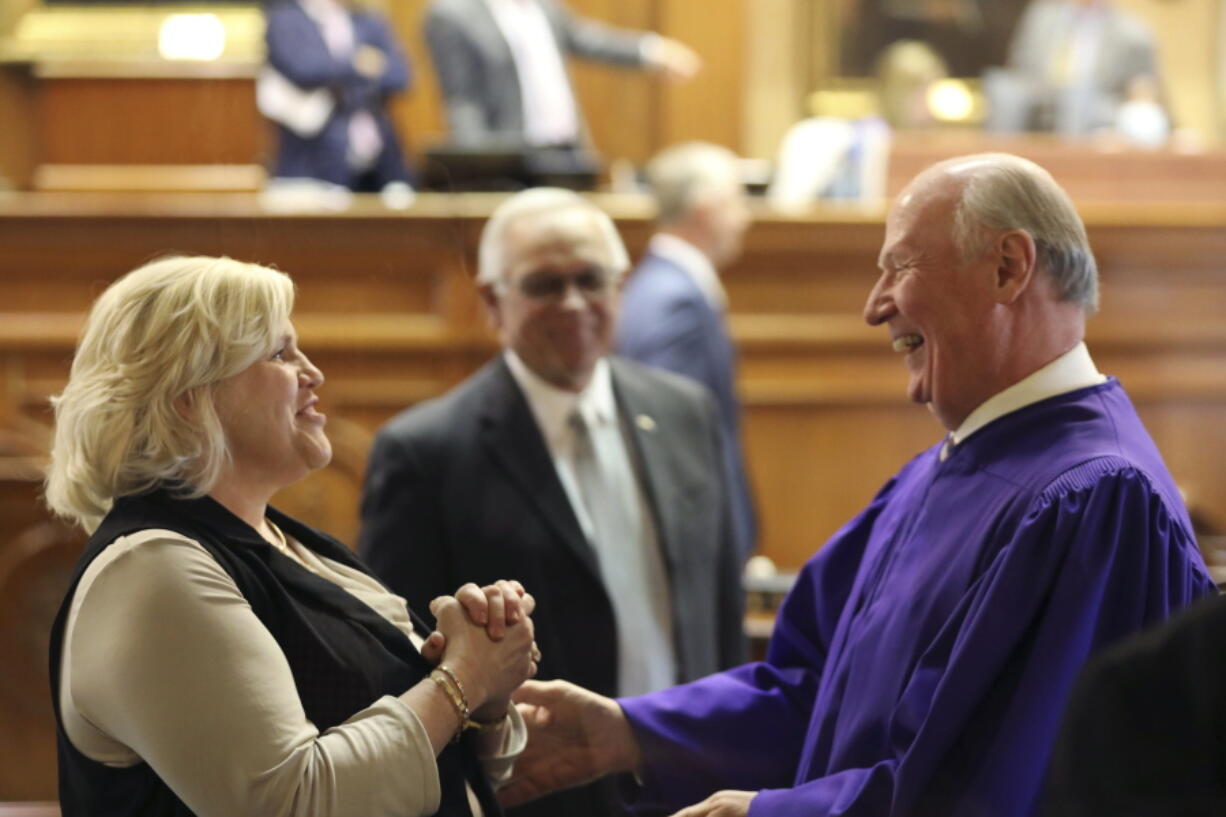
<point x="674" y="308"/>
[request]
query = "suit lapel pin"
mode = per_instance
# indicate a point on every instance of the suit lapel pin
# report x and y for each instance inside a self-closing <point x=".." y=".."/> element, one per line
<point x="644" y="422"/>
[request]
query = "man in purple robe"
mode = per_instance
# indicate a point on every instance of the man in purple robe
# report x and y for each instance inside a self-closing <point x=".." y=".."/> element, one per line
<point x="922" y="662"/>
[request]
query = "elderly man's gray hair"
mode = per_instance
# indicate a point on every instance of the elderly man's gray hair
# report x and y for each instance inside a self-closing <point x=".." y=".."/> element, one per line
<point x="540" y="201"/>
<point x="681" y="175"/>
<point x="1004" y="192"/>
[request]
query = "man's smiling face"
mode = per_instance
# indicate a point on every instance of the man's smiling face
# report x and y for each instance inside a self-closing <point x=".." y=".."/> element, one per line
<point x="938" y="305"/>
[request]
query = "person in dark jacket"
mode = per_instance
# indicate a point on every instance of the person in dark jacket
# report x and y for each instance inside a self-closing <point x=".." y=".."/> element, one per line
<point x="597" y="481"/>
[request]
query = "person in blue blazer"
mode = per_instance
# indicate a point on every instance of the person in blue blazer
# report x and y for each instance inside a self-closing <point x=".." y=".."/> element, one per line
<point x="332" y="65"/>
<point x="673" y="306"/>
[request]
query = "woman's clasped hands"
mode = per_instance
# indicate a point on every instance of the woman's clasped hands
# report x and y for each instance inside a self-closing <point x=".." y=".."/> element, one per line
<point x="484" y="636"/>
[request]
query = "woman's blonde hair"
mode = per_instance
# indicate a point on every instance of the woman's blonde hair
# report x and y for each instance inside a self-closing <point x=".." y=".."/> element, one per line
<point x="138" y="409"/>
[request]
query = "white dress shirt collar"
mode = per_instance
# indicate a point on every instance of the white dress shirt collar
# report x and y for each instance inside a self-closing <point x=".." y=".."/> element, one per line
<point x="552" y="406"/>
<point x="1071" y="371"/>
<point x="695" y="264"/>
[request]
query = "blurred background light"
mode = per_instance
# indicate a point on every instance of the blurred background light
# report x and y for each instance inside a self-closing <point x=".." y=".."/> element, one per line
<point x="192" y="37"/>
<point x="950" y="100"/>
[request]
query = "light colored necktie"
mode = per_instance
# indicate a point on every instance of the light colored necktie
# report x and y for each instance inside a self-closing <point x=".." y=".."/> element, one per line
<point x="629" y="557"/>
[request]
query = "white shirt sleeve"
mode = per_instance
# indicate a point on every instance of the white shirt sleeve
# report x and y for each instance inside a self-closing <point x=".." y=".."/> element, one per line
<point x="501" y="746"/>
<point x="165" y="662"/>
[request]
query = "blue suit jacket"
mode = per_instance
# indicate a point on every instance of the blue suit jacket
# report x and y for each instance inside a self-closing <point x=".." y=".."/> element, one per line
<point x="667" y="322"/>
<point x="296" y="49"/>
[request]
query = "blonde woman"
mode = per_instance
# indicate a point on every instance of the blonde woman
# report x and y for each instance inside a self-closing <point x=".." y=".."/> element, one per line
<point x="214" y="656"/>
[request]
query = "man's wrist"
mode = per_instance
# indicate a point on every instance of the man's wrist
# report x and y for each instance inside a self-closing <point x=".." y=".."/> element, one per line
<point x="619" y="745"/>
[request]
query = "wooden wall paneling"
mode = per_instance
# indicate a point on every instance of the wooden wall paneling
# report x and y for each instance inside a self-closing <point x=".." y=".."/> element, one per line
<point x="104" y="99"/>
<point x="18" y="144"/>
<point x="1188" y="52"/>
<point x="802" y="460"/>
<point x="367" y="267"/>
<point x="129" y="120"/>
<point x="710" y="106"/>
<point x="419" y="113"/>
<point x="31" y="372"/>
<point x="34" y="571"/>
<point x="1192" y="449"/>
<point x="621" y="105"/>
<point x="19" y="149"/>
<point x="1088" y="171"/>
<point x="777" y="54"/>
<point x="36" y="557"/>
<point x="806" y="266"/>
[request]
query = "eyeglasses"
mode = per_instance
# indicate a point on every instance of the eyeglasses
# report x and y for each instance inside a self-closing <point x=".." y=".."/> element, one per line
<point x="593" y="283"/>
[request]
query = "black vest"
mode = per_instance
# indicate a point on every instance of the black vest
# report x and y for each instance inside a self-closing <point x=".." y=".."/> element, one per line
<point x="343" y="655"/>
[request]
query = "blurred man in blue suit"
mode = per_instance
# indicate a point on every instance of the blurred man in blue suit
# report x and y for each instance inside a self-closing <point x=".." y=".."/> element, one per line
<point x="673" y="308"/>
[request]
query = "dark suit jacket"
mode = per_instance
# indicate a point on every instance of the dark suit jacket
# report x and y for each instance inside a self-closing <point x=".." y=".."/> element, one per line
<point x="463" y="488"/>
<point x="666" y="321"/>
<point x="1145" y="730"/>
<point x="476" y="71"/>
<point x="296" y="49"/>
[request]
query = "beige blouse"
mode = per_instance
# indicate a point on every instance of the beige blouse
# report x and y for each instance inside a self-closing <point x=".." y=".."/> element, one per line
<point x="164" y="661"/>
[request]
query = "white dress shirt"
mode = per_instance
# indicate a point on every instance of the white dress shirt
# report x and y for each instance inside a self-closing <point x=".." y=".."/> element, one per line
<point x="647" y="659"/>
<point x="164" y="661"/>
<point x="694" y="263"/>
<point x="1071" y="371"/>
<point x="550" y="115"/>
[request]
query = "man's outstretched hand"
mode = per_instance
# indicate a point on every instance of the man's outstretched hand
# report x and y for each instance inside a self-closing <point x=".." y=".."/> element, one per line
<point x="721" y="804"/>
<point x="574" y="737"/>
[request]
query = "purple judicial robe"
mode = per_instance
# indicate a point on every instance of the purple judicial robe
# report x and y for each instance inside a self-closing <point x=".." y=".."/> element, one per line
<point x="922" y="662"/>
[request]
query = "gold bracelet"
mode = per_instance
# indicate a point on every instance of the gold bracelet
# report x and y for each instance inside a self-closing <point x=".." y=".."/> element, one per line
<point x="457" y="701"/>
<point x="460" y="700"/>
<point x="446" y="670"/>
<point x="456" y="686"/>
